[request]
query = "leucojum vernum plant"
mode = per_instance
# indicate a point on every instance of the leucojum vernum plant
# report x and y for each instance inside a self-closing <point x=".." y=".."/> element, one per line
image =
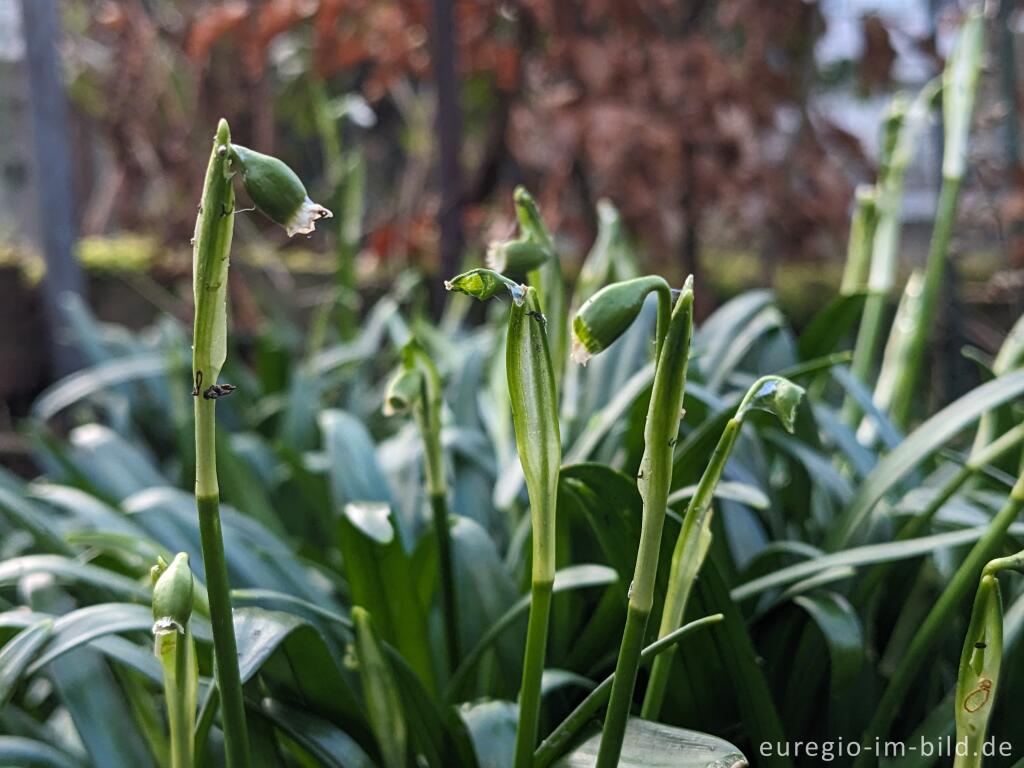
<point x="278" y="193"/>
<point x="416" y="387"/>
<point x="598" y="323"/>
<point x="531" y="386"/>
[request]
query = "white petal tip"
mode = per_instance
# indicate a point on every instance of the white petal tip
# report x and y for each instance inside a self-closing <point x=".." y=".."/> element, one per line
<point x="305" y="219"/>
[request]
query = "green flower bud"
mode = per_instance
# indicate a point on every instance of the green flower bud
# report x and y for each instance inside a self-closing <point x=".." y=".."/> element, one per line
<point x="277" y="191"/>
<point x="517" y="257"/>
<point x="402" y="391"/>
<point x="608" y="313"/>
<point x="485" y="283"/>
<point x="172" y="597"/>
<point x="774" y="395"/>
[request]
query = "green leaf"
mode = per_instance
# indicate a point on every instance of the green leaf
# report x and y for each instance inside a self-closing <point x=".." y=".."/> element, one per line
<point x="17" y="654"/>
<point x="68" y="572"/>
<point x="830" y="325"/>
<point x="322" y="739"/>
<point x="840" y="626"/>
<point x="293" y="661"/>
<point x="568" y="579"/>
<point x="382" y="580"/>
<point x="917" y="447"/>
<point x="744" y="493"/>
<point x="16" y="750"/>
<point x="856" y="557"/>
<point x="383" y="702"/>
<point x="492" y="726"/>
<point x="654" y="745"/>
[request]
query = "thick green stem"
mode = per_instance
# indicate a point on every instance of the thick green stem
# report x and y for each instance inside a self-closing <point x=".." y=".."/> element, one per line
<point x="533" y="672"/>
<point x="236" y="740"/>
<point x="653" y="481"/>
<point x="934" y="626"/>
<point x="622" y="688"/>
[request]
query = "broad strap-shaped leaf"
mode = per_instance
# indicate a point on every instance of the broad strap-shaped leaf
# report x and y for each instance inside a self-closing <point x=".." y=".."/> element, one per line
<point x="654" y="745"/>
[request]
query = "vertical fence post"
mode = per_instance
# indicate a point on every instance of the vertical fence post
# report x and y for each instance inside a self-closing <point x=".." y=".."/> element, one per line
<point x="52" y="161"/>
<point x="449" y="130"/>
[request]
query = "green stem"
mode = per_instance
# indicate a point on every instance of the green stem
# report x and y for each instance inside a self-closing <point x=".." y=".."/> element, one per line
<point x="229" y="682"/>
<point x="428" y="414"/>
<point x="554" y="744"/>
<point x="178" y="715"/>
<point x="533" y="671"/>
<point x="935" y="624"/>
<point x="622" y="688"/>
<point x="653" y="482"/>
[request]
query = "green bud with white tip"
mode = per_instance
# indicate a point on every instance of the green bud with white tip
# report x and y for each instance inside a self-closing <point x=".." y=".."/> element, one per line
<point x="172" y="596"/>
<point x="484" y="284"/>
<point x="606" y="315"/>
<point x="277" y="191"/>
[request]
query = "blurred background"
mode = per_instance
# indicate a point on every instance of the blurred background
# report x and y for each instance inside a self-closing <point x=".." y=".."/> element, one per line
<point x="729" y="134"/>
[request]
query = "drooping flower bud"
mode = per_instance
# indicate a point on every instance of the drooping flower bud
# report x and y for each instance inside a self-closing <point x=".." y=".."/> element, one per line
<point x="172" y="596"/>
<point x="277" y="191"/>
<point x="608" y="313"/>
<point x="484" y="284"/>
<point x="402" y="391"/>
<point x="775" y="395"/>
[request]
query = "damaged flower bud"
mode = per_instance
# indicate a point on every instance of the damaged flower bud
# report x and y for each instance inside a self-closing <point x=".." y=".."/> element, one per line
<point x="277" y="191"/>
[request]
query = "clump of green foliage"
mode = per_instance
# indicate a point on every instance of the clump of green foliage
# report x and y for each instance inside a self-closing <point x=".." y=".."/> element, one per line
<point x="743" y="536"/>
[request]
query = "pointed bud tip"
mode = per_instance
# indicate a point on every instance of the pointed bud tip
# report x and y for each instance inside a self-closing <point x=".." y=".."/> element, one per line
<point x="223" y="132"/>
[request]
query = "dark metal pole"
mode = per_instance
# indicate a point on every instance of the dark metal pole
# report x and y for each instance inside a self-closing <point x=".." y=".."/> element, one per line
<point x="449" y="130"/>
<point x="52" y="161"/>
